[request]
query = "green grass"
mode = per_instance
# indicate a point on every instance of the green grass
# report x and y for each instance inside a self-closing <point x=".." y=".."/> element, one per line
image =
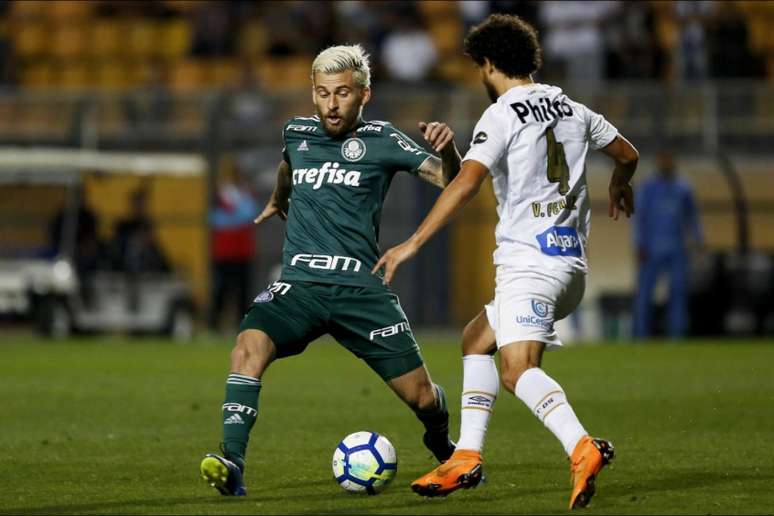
<point x="119" y="427"/>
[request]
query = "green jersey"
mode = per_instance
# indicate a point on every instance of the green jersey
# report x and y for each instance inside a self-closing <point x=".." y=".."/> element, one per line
<point x="339" y="186"/>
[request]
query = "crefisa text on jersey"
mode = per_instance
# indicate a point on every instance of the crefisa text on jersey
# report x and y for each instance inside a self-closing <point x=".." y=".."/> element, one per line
<point x="327" y="173"/>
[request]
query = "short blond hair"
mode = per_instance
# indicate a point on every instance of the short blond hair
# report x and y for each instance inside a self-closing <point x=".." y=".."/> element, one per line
<point x="342" y="58"/>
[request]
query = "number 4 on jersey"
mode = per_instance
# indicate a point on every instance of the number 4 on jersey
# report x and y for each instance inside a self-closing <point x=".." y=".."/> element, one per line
<point x="556" y="169"/>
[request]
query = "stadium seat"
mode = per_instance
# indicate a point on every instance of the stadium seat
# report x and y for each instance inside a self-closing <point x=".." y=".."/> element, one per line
<point x="175" y="39"/>
<point x="186" y="75"/>
<point x="106" y="39"/>
<point x="69" y="10"/>
<point x="222" y="73"/>
<point x="114" y="74"/>
<point x="142" y="37"/>
<point x="447" y="36"/>
<point x="290" y="73"/>
<point x="183" y="6"/>
<point x="28" y="9"/>
<point x="69" y="40"/>
<point x="253" y="39"/>
<point x="74" y="75"/>
<point x="137" y="72"/>
<point x="297" y="71"/>
<point x="29" y="38"/>
<point x="437" y="9"/>
<point x="458" y="69"/>
<point x="667" y="30"/>
<point x="38" y="75"/>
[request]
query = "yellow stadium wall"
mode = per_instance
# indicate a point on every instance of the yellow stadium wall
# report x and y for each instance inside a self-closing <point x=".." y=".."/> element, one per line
<point x="472" y="243"/>
<point x="27" y="212"/>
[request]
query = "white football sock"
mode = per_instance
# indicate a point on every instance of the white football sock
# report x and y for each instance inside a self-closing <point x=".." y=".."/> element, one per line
<point x="548" y="402"/>
<point x="480" y="383"/>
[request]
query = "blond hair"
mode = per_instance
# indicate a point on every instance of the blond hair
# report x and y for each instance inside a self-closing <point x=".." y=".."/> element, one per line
<point x="342" y="58"/>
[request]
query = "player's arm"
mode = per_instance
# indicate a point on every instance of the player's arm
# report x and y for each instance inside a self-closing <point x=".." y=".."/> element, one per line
<point x="620" y="190"/>
<point x="280" y="198"/>
<point x="454" y="197"/>
<point x="439" y="172"/>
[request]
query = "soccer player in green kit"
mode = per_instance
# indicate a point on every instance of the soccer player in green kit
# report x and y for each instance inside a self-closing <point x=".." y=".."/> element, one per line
<point x="331" y="184"/>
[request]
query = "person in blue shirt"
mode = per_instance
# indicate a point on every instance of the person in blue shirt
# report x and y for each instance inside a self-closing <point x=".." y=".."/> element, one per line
<point x="665" y="221"/>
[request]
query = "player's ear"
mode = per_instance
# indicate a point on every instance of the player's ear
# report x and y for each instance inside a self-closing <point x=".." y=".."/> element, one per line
<point x="366" y="95"/>
<point x="488" y="67"/>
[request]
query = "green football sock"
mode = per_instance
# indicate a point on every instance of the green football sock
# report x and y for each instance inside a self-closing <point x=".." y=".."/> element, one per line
<point x="436" y="420"/>
<point x="240" y="409"/>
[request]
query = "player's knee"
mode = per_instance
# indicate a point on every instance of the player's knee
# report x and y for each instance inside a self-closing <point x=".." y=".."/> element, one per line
<point x="511" y="372"/>
<point x="469" y="335"/>
<point x="251" y="353"/>
<point x="508" y="381"/>
<point x="424" y="400"/>
<point x="473" y="342"/>
<point x="420" y="396"/>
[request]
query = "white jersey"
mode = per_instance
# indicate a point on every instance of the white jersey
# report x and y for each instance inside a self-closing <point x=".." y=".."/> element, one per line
<point x="534" y="141"/>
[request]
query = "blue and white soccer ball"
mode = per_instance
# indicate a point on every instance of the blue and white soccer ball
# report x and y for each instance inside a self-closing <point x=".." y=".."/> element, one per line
<point x="365" y="462"/>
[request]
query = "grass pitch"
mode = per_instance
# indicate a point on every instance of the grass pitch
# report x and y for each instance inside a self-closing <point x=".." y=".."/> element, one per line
<point x="119" y="427"/>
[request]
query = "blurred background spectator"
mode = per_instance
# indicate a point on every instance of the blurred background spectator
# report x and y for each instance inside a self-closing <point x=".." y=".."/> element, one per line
<point x="667" y="228"/>
<point x="233" y="246"/>
<point x="82" y="244"/>
<point x="573" y="41"/>
<point x="136" y="247"/>
<point x="691" y="56"/>
<point x="408" y="52"/>
<point x="150" y="103"/>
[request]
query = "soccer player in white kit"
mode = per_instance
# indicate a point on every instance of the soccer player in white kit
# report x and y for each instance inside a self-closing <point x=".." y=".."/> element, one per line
<point x="533" y="140"/>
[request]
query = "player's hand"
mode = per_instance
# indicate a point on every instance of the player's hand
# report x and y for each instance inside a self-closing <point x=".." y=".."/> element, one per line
<point x="437" y="134"/>
<point x="392" y="259"/>
<point x="272" y="208"/>
<point x="621" y="199"/>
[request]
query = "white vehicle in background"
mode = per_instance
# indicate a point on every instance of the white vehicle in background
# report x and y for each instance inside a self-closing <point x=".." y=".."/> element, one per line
<point x="44" y="287"/>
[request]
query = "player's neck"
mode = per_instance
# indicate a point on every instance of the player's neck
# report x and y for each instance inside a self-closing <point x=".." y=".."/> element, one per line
<point x="506" y="83"/>
<point x="357" y="123"/>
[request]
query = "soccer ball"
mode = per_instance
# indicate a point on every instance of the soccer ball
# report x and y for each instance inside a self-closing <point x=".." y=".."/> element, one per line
<point x="364" y="462"/>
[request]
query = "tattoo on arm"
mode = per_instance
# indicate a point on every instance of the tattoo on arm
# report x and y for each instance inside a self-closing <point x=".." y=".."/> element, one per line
<point x="440" y="171"/>
<point x="431" y="170"/>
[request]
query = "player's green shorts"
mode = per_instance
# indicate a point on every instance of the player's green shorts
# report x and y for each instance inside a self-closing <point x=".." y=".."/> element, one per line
<point x="367" y="321"/>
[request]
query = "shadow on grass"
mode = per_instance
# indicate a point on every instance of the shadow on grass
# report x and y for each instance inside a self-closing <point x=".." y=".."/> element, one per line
<point x="674" y="480"/>
<point x="152" y="505"/>
<point x="679" y="480"/>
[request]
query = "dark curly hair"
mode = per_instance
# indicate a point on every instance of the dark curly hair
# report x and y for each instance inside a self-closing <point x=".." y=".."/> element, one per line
<point x="510" y="43"/>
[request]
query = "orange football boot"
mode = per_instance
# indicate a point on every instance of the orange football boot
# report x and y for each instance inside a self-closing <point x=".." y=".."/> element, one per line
<point x="463" y="470"/>
<point x="588" y="458"/>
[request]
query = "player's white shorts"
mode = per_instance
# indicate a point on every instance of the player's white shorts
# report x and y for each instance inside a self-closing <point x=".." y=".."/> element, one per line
<point x="527" y="303"/>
